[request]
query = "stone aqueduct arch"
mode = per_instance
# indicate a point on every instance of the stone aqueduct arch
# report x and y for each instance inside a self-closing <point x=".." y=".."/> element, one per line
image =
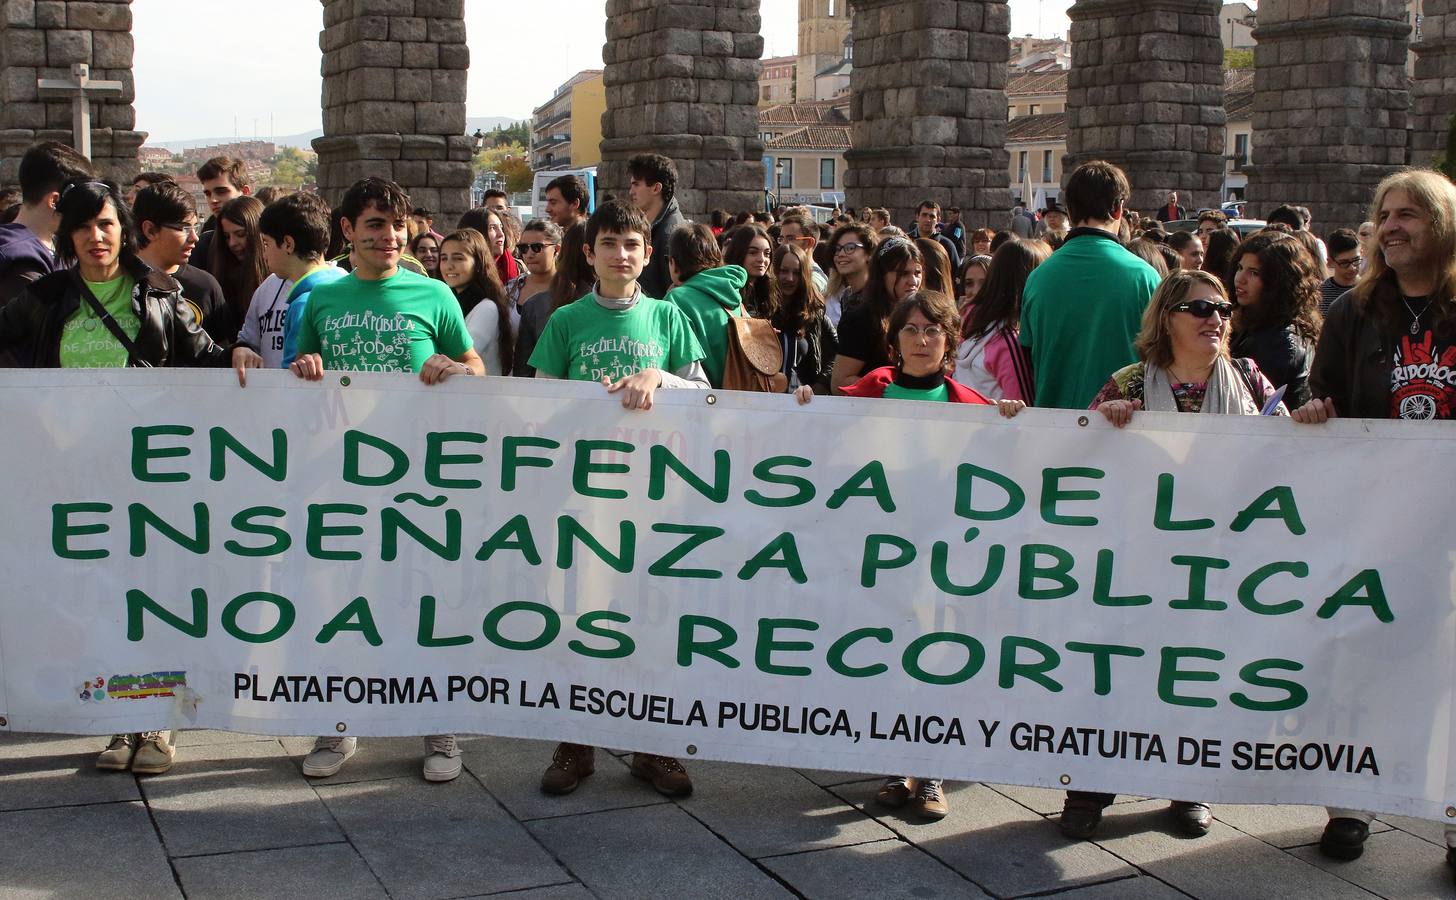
<point x="928" y="108"/>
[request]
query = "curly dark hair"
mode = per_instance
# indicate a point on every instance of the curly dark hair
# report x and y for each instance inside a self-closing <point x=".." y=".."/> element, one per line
<point x="1291" y="291"/>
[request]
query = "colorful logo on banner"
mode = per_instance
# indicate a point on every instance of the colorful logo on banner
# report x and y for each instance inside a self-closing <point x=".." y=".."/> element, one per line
<point x="132" y="687"/>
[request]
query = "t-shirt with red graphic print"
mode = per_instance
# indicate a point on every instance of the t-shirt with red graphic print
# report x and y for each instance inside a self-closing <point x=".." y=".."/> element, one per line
<point x="1423" y="379"/>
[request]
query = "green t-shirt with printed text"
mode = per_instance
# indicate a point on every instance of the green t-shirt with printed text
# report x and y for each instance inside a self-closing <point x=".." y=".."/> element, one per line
<point x="86" y="342"/>
<point x="585" y="341"/>
<point x="390" y="325"/>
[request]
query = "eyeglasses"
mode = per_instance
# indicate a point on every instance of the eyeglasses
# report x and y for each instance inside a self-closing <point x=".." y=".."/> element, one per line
<point x="533" y="248"/>
<point x="848" y="248"/>
<point x="1202" y="309"/>
<point x="184" y="228"/>
<point x="1346" y="263"/>
<point x="929" y="332"/>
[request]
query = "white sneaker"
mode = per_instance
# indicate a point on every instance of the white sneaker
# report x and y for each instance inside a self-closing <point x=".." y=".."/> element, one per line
<point x="329" y="755"/>
<point x="442" y="758"/>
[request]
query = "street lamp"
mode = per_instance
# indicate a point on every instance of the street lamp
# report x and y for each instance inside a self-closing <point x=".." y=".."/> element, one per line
<point x="479" y="140"/>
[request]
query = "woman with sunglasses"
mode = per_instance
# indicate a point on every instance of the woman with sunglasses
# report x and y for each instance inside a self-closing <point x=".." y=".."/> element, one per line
<point x="537" y="248"/>
<point x="1277" y="320"/>
<point x="1184" y="366"/>
<point x="923" y="328"/>
<point x="895" y="272"/>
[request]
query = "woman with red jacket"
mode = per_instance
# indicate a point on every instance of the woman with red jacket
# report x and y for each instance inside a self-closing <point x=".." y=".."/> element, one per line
<point x="924" y="331"/>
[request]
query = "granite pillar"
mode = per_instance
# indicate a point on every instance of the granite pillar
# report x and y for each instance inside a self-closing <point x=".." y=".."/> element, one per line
<point x="1433" y="94"/>
<point x="1145" y="92"/>
<point x="929" y="107"/>
<point x="1331" y="105"/>
<point x="682" y="81"/>
<point x="43" y="39"/>
<point x="394" y="100"/>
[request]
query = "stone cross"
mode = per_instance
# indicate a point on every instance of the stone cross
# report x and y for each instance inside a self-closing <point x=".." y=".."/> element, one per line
<point x="82" y="91"/>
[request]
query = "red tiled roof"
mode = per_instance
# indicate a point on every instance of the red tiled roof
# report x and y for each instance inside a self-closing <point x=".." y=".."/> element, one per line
<point x="1023" y="83"/>
<point x="822" y="112"/>
<point x="1038" y="128"/>
<point x="814" y="137"/>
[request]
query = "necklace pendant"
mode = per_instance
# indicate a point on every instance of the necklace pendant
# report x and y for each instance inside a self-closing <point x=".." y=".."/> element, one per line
<point x="1415" y="327"/>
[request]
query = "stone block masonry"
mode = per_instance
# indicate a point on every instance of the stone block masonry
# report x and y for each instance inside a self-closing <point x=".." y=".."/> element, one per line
<point x="1146" y="92"/>
<point x="42" y="39"/>
<point x="682" y="80"/>
<point x="1433" y="95"/>
<point x="1331" y="105"/>
<point x="394" y="100"/>
<point x="929" y="106"/>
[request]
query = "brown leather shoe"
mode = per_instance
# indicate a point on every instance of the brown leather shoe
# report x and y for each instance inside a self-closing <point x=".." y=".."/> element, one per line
<point x="667" y="775"/>
<point x="930" y="802"/>
<point x="569" y="765"/>
<point x="896" y="791"/>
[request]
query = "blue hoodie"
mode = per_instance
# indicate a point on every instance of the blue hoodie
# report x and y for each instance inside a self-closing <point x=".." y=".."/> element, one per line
<point x="298" y="302"/>
<point x="23" y="259"/>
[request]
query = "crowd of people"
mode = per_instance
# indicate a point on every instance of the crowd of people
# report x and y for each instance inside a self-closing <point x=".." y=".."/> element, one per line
<point x="1085" y="306"/>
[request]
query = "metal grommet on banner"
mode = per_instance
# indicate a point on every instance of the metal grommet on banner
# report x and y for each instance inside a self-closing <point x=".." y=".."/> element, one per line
<point x="1066" y="779"/>
<point x="4" y="722"/>
<point x="1450" y="810"/>
<point x="692" y="749"/>
<point x="344" y="381"/>
<point x="341" y="727"/>
<point x="1082" y="422"/>
<point x="712" y="399"/>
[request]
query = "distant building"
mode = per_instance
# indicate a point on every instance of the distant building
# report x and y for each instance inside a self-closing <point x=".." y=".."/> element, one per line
<point x="153" y="158"/>
<point x="1236" y="26"/>
<point x="823" y="27"/>
<point x="832" y="82"/>
<point x="804" y="147"/>
<point x="777" y="81"/>
<point x="566" y="131"/>
<point x="249" y="151"/>
<point x="1032" y="54"/>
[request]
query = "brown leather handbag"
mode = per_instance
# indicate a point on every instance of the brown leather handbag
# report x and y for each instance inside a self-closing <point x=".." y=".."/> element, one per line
<point x="755" y="359"/>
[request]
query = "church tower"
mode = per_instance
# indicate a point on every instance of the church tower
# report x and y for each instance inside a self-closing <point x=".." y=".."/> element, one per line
<point x="823" y="26"/>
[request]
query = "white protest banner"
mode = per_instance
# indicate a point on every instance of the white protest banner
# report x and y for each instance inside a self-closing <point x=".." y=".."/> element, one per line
<point x="1220" y="608"/>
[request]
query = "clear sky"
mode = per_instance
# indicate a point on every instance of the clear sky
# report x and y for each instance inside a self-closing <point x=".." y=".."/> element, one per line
<point x="253" y="68"/>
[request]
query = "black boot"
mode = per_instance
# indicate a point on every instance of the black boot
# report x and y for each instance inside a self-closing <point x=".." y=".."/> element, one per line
<point x="1344" y="839"/>
<point x="1193" y="819"/>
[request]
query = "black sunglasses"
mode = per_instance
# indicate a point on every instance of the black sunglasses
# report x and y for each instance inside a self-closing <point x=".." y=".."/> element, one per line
<point x="532" y="248"/>
<point x="1202" y="309"/>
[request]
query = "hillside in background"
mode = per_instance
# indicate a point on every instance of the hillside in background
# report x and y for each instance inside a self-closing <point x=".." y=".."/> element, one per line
<point x="304" y="141"/>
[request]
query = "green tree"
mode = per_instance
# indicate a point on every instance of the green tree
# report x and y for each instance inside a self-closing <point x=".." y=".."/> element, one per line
<point x="510" y="161"/>
<point x="517" y="174"/>
<point x="1238" y="59"/>
<point x="291" y="167"/>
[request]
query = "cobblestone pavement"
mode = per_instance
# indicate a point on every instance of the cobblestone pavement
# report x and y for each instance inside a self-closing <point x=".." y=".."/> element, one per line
<point x="236" y="818"/>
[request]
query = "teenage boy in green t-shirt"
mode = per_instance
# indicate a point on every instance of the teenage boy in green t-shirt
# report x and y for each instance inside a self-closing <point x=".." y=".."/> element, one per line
<point x="381" y="318"/>
<point x="633" y="345"/>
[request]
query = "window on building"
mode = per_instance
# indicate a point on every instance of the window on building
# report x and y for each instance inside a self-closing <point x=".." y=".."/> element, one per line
<point x="767" y="92"/>
<point x="1046" y="166"/>
<point x="1021" y="169"/>
<point x="1241" y="149"/>
<point x="826" y="174"/>
<point x="833" y="7"/>
<point x="786" y="173"/>
<point x="1034" y="110"/>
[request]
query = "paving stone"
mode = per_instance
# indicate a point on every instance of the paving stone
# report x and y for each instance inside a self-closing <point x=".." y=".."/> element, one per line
<point x="1395" y="864"/>
<point x="428" y="840"/>
<point x="94" y="851"/>
<point x="511" y="770"/>
<point x="654" y="851"/>
<point x="830" y="778"/>
<point x="1047" y="801"/>
<point x="205" y="738"/>
<point x="1141" y="888"/>
<point x="997" y="843"/>
<point x="1426" y="830"/>
<point x="328" y="870"/>
<point x="228" y="797"/>
<point x="762" y="811"/>
<point x="56" y="770"/>
<point x="885" y="870"/>
<point x="1282" y="826"/>
<point x="1224" y="863"/>
<point x="571" y="891"/>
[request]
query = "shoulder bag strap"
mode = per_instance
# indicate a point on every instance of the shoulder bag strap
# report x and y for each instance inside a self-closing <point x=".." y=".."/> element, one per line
<point x="111" y="324"/>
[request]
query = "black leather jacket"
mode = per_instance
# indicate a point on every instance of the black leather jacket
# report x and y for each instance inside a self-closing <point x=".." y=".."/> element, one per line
<point x="170" y="335"/>
<point x="1283" y="355"/>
